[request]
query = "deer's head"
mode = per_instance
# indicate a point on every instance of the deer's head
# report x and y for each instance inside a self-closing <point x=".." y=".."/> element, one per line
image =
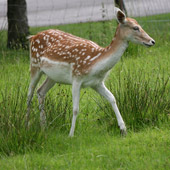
<point x="130" y="30"/>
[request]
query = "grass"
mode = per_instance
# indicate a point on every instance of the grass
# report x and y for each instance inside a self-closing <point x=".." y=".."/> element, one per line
<point x="146" y="150"/>
<point x="141" y="85"/>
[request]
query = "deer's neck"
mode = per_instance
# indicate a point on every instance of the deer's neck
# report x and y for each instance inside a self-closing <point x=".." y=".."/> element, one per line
<point x="116" y="49"/>
<point x="112" y="53"/>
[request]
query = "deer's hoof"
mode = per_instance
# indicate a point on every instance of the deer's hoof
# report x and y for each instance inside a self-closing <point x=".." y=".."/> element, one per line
<point x="123" y="132"/>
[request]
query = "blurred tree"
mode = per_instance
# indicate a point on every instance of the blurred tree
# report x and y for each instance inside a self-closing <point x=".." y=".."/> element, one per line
<point x="120" y="4"/>
<point x="18" y="27"/>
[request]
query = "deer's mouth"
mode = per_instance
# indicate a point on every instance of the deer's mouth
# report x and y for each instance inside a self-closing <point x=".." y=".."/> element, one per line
<point x="151" y="43"/>
<point x="147" y="45"/>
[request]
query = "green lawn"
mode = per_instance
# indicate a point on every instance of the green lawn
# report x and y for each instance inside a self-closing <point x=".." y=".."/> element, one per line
<point x="141" y="85"/>
<point x="146" y="150"/>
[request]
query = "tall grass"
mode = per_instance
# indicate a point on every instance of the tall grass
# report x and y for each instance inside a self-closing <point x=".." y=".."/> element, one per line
<point x="143" y="100"/>
<point x="15" y="138"/>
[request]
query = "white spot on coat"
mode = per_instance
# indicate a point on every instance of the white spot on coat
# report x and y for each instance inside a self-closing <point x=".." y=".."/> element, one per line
<point x="95" y="57"/>
<point x="38" y="55"/>
<point x="88" y="57"/>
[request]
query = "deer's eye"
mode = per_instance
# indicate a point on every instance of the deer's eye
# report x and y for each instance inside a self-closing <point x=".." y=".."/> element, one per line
<point x="136" y="28"/>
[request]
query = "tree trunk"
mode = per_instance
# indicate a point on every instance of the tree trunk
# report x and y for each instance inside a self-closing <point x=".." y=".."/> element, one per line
<point x="17" y="24"/>
<point x="120" y="4"/>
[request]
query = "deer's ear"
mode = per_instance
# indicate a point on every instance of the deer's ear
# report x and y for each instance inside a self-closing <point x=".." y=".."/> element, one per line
<point x="120" y="16"/>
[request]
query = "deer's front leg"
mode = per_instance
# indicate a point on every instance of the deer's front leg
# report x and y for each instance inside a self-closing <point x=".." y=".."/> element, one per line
<point x="76" y="86"/>
<point x="103" y="91"/>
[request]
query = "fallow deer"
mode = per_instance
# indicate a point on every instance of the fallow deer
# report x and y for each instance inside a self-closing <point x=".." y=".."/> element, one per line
<point x="68" y="59"/>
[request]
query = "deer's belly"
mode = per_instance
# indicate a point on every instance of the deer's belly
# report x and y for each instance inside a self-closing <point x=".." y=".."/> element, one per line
<point x="93" y="80"/>
<point x="60" y="72"/>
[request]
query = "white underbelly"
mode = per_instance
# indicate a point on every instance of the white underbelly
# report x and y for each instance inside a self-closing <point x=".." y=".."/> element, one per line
<point x="60" y="72"/>
<point x="93" y="80"/>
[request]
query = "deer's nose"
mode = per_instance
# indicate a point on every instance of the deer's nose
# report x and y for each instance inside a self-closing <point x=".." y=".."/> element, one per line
<point x="152" y="42"/>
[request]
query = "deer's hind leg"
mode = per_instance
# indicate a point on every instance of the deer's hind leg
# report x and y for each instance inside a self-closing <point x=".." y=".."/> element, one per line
<point x="35" y="77"/>
<point x="41" y="92"/>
